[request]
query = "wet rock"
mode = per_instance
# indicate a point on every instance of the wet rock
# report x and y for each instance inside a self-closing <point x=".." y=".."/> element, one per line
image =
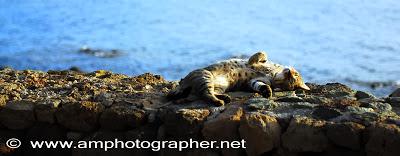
<point x="100" y="53"/>
<point x="81" y="116"/>
<point x="395" y="93"/>
<point x="305" y="135"/>
<point x="383" y="139"/>
<point x="261" y="132"/>
<point x="363" y="95"/>
<point x="261" y="103"/>
<point x="45" y="110"/>
<point x="290" y="99"/>
<point x="122" y="117"/>
<point x="326" y="113"/>
<point x="224" y="127"/>
<point x="347" y="134"/>
<point x="18" y="114"/>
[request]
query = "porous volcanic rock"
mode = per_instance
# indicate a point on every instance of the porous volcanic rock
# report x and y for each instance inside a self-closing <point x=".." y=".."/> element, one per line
<point x="261" y="132"/>
<point x="305" y="135"/>
<point x="330" y="119"/>
<point x="18" y="114"/>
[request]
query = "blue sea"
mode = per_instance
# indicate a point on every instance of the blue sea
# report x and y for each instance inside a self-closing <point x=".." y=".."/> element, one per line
<point x="356" y="42"/>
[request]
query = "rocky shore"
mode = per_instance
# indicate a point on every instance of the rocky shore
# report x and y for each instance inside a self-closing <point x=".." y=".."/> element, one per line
<point x="330" y="119"/>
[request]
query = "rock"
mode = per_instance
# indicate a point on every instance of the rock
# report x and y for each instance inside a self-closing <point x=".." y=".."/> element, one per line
<point x="344" y="101"/>
<point x="383" y="139"/>
<point x="326" y="113"/>
<point x="370" y="100"/>
<point x="76" y="136"/>
<point x="382" y="108"/>
<point x="3" y="100"/>
<point x="285" y="110"/>
<point x="225" y="125"/>
<point x="290" y="99"/>
<point x="122" y="117"/>
<point x="261" y="103"/>
<point x="305" y="135"/>
<point x="147" y="132"/>
<point x="18" y="115"/>
<point x="335" y="151"/>
<point x="105" y="99"/>
<point x="184" y="122"/>
<point x="45" y="110"/>
<point x="361" y="115"/>
<point x="394" y="101"/>
<point x="261" y="133"/>
<point x="101" y="73"/>
<point x="82" y="117"/>
<point x="362" y="95"/>
<point x="330" y="90"/>
<point x="284" y="152"/>
<point x="225" y="128"/>
<point x="318" y="100"/>
<point x="395" y="93"/>
<point x="347" y="134"/>
<point x="284" y="93"/>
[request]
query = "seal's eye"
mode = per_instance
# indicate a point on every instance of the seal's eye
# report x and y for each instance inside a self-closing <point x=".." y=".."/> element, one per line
<point x="263" y="61"/>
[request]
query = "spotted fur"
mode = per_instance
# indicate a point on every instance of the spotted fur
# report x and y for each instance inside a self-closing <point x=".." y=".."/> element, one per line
<point x="256" y="74"/>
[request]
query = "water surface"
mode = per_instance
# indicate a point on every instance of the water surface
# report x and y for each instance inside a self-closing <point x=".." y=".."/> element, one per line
<point x="351" y="41"/>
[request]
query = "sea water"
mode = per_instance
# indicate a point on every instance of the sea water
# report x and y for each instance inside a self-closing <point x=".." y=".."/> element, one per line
<point x="355" y="42"/>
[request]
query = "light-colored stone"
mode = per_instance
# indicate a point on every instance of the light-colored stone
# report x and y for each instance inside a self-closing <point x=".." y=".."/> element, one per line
<point x="225" y="128"/>
<point x="305" y="135"/>
<point x="261" y="133"/>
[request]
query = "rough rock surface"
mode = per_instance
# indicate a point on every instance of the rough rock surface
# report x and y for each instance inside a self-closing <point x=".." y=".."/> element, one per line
<point x="306" y="135"/>
<point x="330" y="119"/>
<point x="261" y="132"/>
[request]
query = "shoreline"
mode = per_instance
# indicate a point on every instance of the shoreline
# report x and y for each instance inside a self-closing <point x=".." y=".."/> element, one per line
<point x="100" y="105"/>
